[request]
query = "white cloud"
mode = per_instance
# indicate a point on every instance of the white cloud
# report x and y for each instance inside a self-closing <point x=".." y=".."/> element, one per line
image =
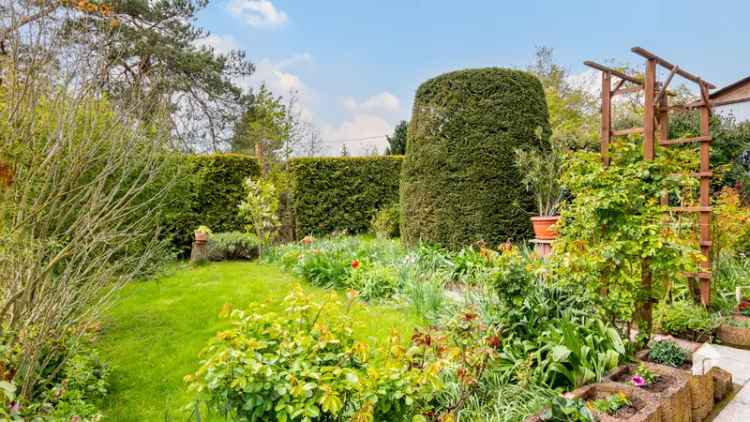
<point x="297" y="59"/>
<point x="383" y="102"/>
<point x="589" y="80"/>
<point x="352" y="133"/>
<point x="257" y="13"/>
<point x="222" y="44"/>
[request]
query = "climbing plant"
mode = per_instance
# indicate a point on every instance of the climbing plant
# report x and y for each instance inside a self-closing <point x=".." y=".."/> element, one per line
<point x="615" y="227"/>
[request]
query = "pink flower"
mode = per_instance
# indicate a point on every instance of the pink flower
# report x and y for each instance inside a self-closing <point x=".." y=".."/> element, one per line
<point x="638" y="381"/>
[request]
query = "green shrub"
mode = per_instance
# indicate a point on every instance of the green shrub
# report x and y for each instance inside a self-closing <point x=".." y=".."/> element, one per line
<point x="385" y="222"/>
<point x="668" y="353"/>
<point x="459" y="184"/>
<point x="304" y="364"/>
<point x="209" y="194"/>
<point x="327" y="268"/>
<point x="686" y="320"/>
<point x="232" y="245"/>
<point x="374" y="281"/>
<point x="341" y="194"/>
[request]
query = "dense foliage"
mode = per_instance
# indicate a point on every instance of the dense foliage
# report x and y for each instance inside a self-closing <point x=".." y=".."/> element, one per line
<point x="342" y="194"/>
<point x="686" y="319"/>
<point x="668" y="353"/>
<point x="613" y="234"/>
<point x="232" y="245"/>
<point x="385" y="222"/>
<point x="397" y="141"/>
<point x="305" y="364"/>
<point x="209" y="193"/>
<point x="459" y="184"/>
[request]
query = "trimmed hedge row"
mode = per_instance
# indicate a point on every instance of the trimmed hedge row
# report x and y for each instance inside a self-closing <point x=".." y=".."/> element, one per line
<point x="337" y="194"/>
<point x="208" y="193"/>
<point x="459" y="183"/>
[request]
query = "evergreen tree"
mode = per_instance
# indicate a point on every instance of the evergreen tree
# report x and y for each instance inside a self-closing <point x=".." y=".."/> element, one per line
<point x="397" y="141"/>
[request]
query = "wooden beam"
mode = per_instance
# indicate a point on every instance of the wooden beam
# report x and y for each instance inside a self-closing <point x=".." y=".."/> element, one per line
<point x="705" y="199"/>
<point x="649" y="110"/>
<point x="713" y="104"/>
<point x="606" y="127"/>
<point x="705" y="139"/>
<point x="617" y="87"/>
<point x="663" y="91"/>
<point x="696" y="174"/>
<point x="625" y="132"/>
<point x="623" y="91"/>
<point x="613" y="72"/>
<point x="691" y="209"/>
<point x="702" y="275"/>
<point x="651" y="56"/>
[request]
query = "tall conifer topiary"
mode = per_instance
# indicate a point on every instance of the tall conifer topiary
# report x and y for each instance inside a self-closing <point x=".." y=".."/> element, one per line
<point x="459" y="184"/>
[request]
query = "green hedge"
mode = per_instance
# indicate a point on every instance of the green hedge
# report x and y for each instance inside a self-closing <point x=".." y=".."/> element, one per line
<point x="208" y="193"/>
<point x="458" y="183"/>
<point x="337" y="194"/>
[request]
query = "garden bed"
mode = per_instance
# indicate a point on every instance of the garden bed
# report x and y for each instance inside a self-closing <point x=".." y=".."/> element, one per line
<point x="643" y="407"/>
<point x="670" y="386"/>
<point x="735" y="331"/>
<point x="701" y="386"/>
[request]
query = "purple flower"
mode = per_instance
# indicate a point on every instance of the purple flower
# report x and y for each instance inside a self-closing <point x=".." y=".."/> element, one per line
<point x="638" y="381"/>
<point x="15" y="407"/>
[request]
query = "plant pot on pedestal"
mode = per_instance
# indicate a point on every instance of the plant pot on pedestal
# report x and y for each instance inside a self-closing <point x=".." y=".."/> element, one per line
<point x="544" y="234"/>
<point x="543" y="227"/>
<point x="199" y="253"/>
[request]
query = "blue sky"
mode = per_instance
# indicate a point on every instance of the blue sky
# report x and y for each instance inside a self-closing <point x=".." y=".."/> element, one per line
<point x="356" y="64"/>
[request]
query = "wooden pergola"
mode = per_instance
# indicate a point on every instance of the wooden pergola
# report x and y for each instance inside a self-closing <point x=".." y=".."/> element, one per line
<point x="656" y="128"/>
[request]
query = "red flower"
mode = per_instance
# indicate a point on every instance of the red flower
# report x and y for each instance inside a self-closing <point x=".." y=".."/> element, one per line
<point x="470" y="316"/>
<point x="355" y="264"/>
<point x="494" y="342"/>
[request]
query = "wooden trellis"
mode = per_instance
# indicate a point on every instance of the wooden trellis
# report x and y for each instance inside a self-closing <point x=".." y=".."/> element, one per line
<point x="656" y="128"/>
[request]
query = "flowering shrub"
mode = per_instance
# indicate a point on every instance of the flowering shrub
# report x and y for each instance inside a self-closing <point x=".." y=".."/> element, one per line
<point x="305" y="364"/>
<point x="642" y="376"/>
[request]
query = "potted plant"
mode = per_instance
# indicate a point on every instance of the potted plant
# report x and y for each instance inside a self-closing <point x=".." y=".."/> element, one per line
<point x="202" y="233"/>
<point x="541" y="171"/>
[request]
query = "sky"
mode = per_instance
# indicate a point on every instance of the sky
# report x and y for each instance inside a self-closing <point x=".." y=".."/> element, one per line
<point x="354" y="66"/>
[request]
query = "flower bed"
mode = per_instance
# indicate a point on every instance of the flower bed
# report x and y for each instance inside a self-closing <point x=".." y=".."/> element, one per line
<point x="701" y="387"/>
<point x="669" y="385"/>
<point x="642" y="407"/>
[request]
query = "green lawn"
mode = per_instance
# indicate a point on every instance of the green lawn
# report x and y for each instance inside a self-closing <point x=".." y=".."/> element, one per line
<point x="154" y="332"/>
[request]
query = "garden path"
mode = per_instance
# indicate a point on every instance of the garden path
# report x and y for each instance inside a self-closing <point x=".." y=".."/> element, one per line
<point x="737" y="362"/>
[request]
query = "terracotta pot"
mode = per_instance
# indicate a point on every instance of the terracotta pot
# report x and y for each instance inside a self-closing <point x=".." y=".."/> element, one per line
<point x="542" y="227"/>
<point x="201" y="237"/>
